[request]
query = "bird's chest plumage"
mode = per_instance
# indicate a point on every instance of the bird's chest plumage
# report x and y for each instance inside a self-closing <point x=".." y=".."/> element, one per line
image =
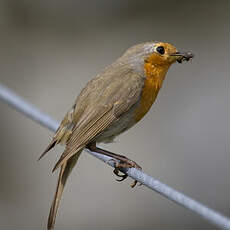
<point x="153" y="82"/>
<point x="148" y="96"/>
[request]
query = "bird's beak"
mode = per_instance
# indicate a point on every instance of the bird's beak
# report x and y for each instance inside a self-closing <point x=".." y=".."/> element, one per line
<point x="180" y="57"/>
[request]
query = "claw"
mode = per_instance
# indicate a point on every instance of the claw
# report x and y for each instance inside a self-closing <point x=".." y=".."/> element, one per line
<point x="116" y="172"/>
<point x="133" y="184"/>
<point x="123" y="177"/>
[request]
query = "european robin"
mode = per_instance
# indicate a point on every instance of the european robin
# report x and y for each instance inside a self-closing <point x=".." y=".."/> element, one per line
<point x="111" y="103"/>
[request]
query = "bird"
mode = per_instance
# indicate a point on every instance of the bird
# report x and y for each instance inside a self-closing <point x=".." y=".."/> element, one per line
<point x="111" y="103"/>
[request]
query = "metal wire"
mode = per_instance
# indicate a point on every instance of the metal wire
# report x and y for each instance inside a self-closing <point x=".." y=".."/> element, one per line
<point x="35" y="114"/>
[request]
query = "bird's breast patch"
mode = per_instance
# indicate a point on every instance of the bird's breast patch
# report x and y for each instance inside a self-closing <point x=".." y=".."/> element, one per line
<point x="153" y="81"/>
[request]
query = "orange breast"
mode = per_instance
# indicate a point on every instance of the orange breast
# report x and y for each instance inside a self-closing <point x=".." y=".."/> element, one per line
<point x="154" y="79"/>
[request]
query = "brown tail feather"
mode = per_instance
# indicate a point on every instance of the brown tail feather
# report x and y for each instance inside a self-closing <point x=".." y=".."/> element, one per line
<point x="63" y="157"/>
<point x="50" y="146"/>
<point x="65" y="170"/>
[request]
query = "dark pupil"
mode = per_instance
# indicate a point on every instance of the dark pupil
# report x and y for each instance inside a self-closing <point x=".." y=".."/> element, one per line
<point x="160" y="50"/>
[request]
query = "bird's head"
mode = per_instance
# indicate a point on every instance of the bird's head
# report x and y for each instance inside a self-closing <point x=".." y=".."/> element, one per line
<point x="165" y="54"/>
<point x="158" y="54"/>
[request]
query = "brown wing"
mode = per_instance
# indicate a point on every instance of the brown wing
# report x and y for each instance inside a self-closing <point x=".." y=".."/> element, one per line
<point x="92" y="90"/>
<point x="105" y="107"/>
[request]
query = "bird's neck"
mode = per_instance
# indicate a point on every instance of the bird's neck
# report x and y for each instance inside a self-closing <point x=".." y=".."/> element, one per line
<point x="154" y="76"/>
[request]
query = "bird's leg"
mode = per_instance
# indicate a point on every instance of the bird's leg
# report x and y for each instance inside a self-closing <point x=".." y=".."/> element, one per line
<point x="123" y="162"/>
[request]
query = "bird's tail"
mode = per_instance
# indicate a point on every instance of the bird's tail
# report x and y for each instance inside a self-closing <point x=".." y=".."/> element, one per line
<point x="65" y="170"/>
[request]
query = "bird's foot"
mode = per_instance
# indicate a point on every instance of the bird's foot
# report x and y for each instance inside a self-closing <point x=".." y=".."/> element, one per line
<point x="124" y="164"/>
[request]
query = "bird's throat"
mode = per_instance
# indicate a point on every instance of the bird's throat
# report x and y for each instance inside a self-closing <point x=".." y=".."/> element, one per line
<point x="154" y="78"/>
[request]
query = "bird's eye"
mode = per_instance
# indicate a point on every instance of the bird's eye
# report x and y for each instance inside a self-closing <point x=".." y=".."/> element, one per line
<point x="160" y="50"/>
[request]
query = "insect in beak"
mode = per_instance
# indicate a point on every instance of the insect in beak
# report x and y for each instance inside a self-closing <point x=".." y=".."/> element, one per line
<point x="180" y="57"/>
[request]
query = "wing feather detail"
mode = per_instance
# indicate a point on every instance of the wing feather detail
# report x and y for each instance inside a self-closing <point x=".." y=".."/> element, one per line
<point x="78" y="140"/>
<point x="101" y="103"/>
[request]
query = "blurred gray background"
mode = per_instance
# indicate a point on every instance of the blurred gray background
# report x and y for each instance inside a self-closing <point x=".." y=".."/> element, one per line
<point x="50" y="49"/>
